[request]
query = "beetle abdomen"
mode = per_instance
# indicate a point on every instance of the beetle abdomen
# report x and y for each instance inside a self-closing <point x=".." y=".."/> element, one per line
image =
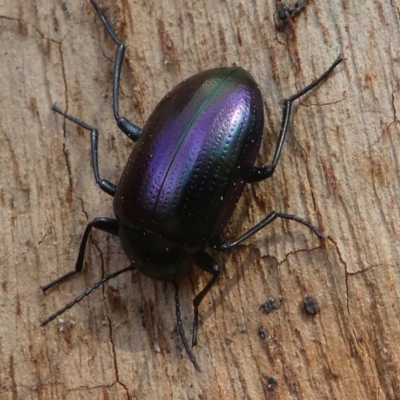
<point x="190" y="165"/>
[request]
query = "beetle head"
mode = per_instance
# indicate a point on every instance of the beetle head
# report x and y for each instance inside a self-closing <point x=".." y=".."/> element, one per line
<point x="153" y="255"/>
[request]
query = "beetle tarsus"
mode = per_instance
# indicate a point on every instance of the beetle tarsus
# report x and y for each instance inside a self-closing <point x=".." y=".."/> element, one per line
<point x="185" y="343"/>
<point x="45" y="288"/>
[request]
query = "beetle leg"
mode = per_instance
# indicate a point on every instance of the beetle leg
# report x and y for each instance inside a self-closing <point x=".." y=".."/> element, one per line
<point x="220" y="244"/>
<point x="86" y="293"/>
<point x="260" y="173"/>
<point x="130" y="129"/>
<point x="104" y="184"/>
<point x="205" y="263"/>
<point x="109" y="225"/>
<point x="180" y="327"/>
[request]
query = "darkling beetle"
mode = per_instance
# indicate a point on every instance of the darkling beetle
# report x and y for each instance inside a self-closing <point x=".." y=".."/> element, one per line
<point x="184" y="177"/>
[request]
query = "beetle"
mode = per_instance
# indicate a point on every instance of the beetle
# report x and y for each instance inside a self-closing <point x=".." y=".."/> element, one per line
<point x="184" y="176"/>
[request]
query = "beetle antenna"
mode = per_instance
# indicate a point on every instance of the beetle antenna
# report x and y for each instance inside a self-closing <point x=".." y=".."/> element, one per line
<point x="86" y="293"/>
<point x="180" y="328"/>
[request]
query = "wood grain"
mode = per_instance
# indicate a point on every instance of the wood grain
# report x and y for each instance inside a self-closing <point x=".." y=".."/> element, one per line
<point x="339" y="169"/>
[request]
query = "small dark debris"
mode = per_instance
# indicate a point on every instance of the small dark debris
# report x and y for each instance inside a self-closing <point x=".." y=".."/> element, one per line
<point x="270" y="305"/>
<point x="310" y="305"/>
<point x="243" y="330"/>
<point x="262" y="333"/>
<point x="287" y="11"/>
<point x="271" y="383"/>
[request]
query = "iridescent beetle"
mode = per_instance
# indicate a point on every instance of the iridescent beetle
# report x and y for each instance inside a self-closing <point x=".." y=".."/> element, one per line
<point x="185" y="175"/>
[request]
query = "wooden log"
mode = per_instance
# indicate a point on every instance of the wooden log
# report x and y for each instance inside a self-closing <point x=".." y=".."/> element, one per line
<point x="339" y="169"/>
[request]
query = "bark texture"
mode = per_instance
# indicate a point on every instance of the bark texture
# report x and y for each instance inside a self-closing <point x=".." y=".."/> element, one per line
<point x="339" y="169"/>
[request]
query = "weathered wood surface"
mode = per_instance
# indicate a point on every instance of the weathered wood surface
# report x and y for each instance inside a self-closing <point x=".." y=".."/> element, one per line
<point x="339" y="169"/>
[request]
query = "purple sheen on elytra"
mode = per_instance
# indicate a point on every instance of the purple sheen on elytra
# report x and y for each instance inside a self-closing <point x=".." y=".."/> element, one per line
<point x="190" y="165"/>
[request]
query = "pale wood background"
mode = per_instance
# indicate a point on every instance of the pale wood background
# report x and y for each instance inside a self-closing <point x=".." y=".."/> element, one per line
<point x="339" y="169"/>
